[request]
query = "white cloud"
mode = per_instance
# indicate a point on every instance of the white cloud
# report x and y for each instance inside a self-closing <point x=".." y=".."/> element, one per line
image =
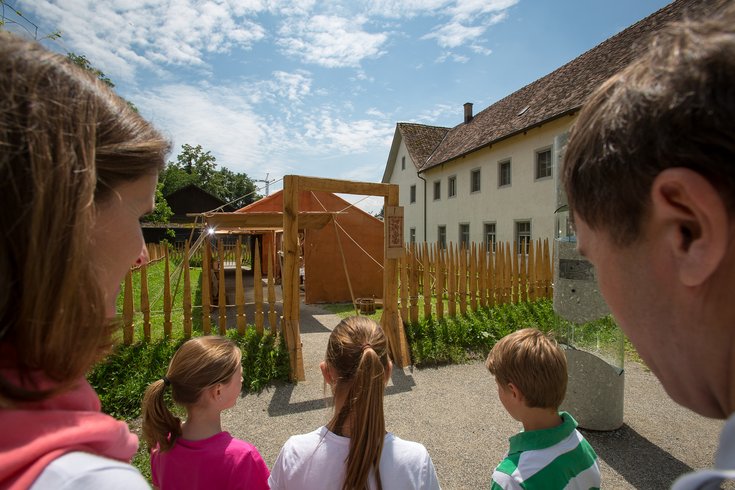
<point x="122" y="36"/>
<point x="404" y="8"/>
<point x="469" y="20"/>
<point x="219" y="119"/>
<point x="330" y="41"/>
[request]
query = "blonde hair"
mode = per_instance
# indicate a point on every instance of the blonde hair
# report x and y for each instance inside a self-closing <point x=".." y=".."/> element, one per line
<point x="358" y="353"/>
<point x="198" y="364"/>
<point x="66" y="141"/>
<point x="534" y="363"/>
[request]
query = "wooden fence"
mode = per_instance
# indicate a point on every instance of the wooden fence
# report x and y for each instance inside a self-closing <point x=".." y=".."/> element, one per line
<point x="472" y="278"/>
<point x="214" y="297"/>
<point x="464" y="278"/>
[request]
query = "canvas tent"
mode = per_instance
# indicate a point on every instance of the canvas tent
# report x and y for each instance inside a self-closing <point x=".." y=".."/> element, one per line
<point x="341" y="245"/>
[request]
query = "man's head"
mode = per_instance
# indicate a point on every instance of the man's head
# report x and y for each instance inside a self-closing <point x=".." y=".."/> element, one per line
<point x="533" y="364"/>
<point x="650" y="176"/>
<point x="673" y="107"/>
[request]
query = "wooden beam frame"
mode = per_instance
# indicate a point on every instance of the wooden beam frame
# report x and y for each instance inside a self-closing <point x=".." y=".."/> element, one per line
<point x="292" y="222"/>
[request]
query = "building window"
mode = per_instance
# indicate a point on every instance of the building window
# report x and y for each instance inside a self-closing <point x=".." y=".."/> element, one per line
<point x="412" y="235"/>
<point x="452" y="186"/>
<point x="475" y="180"/>
<point x="490" y="237"/>
<point x="412" y="197"/>
<point x="437" y="190"/>
<point x="523" y="235"/>
<point x="504" y="173"/>
<point x="464" y="235"/>
<point x="441" y="236"/>
<point x="543" y="163"/>
<point x="403" y="163"/>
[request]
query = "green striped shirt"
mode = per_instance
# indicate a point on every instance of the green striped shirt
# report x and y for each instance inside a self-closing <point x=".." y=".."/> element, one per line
<point x="556" y="458"/>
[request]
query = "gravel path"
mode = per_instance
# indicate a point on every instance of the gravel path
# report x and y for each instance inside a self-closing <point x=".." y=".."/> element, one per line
<point x="454" y="411"/>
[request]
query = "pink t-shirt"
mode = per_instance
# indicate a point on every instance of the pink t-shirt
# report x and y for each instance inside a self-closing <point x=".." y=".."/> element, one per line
<point x="218" y="462"/>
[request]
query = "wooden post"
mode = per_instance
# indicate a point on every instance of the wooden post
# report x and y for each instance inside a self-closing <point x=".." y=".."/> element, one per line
<point x="291" y="297"/>
<point x="239" y="290"/>
<point x="427" y="281"/>
<point x="391" y="320"/>
<point x="440" y="280"/>
<point x="414" y="284"/>
<point x="206" y="289"/>
<point x="272" y="320"/>
<point x="452" y="281"/>
<point x="258" y="290"/>
<point x="128" y="309"/>
<point x="481" y="274"/>
<point x="187" y="292"/>
<point x="222" y="289"/>
<point x="522" y="285"/>
<point x="491" y="281"/>
<point x="166" y="297"/>
<point x="548" y="270"/>
<point x="531" y="272"/>
<point x="145" y="305"/>
<point x="473" y="277"/>
<point x="404" y="287"/>
<point x="463" y="280"/>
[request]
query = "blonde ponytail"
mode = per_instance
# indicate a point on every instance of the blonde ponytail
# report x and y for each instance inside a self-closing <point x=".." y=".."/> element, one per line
<point x="160" y="426"/>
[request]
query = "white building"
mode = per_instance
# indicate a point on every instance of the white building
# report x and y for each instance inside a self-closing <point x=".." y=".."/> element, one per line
<point x="493" y="177"/>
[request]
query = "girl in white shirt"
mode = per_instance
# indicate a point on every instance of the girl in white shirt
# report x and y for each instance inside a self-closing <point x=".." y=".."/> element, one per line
<point x="353" y="451"/>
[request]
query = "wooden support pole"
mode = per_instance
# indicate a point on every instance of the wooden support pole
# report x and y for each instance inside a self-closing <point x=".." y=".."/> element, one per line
<point x="272" y="319"/>
<point x="404" y="287"/>
<point x="222" y="289"/>
<point x="440" y="281"/>
<point x="206" y="288"/>
<point x="473" y="277"/>
<point x="531" y="272"/>
<point x="414" y="313"/>
<point x="167" y="325"/>
<point x="391" y="320"/>
<point x="187" y="292"/>
<point x="128" y="309"/>
<point x="145" y="305"/>
<point x="258" y="290"/>
<point x="426" y="264"/>
<point x="522" y="281"/>
<point x="239" y="290"/>
<point x="463" y="279"/>
<point x="452" y="281"/>
<point x="291" y="297"/>
<point x="481" y="274"/>
<point x="491" y="282"/>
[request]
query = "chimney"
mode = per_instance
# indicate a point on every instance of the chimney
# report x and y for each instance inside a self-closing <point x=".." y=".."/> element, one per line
<point x="467" y="112"/>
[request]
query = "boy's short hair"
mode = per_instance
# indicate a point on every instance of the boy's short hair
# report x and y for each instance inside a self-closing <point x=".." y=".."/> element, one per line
<point x="534" y="363"/>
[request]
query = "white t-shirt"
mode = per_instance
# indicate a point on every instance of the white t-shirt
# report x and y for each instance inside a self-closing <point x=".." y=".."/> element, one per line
<point x="83" y="471"/>
<point x="316" y="461"/>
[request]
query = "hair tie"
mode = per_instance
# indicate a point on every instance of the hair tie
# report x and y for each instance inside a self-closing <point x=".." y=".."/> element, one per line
<point x="166" y="381"/>
<point x="366" y="345"/>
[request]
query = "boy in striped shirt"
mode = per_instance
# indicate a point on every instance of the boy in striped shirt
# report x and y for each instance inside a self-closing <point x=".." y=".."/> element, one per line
<point x="531" y="372"/>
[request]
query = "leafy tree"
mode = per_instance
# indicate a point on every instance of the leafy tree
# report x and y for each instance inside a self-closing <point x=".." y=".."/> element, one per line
<point x="196" y="166"/>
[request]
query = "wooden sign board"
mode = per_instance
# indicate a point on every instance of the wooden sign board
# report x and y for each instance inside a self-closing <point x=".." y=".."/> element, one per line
<point x="393" y="232"/>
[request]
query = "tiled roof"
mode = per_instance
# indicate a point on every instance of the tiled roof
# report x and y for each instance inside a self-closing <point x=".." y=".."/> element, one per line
<point x="421" y="140"/>
<point x="561" y="92"/>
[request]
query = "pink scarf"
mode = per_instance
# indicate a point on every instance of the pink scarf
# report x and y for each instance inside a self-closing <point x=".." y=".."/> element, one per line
<point x="34" y="434"/>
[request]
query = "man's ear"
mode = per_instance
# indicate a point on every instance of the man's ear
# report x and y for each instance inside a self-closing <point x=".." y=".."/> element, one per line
<point x="692" y="219"/>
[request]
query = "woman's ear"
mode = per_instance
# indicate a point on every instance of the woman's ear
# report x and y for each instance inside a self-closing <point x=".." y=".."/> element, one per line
<point x="326" y="373"/>
<point x="690" y="220"/>
<point x="388" y="371"/>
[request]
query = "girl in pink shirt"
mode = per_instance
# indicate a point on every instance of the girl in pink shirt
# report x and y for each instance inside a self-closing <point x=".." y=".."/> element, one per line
<point x="205" y="377"/>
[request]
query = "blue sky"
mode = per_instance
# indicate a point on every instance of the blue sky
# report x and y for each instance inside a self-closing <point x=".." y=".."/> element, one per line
<point x="316" y="87"/>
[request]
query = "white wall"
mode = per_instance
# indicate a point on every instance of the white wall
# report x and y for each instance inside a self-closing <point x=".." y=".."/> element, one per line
<point x="526" y="199"/>
<point x="413" y="216"/>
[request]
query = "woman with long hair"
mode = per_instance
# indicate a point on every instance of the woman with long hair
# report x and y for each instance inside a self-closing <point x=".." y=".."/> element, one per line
<point x="78" y="169"/>
<point x="354" y="451"/>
